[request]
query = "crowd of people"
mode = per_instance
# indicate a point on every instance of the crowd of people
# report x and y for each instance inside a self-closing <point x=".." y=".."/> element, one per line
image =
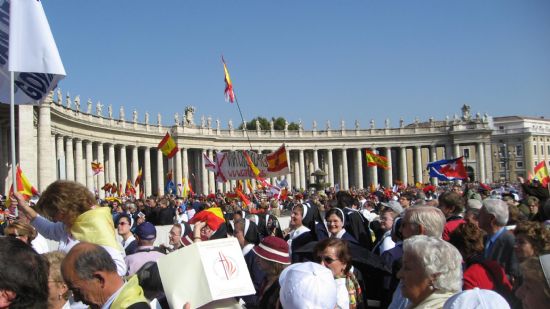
<point x="454" y="245"/>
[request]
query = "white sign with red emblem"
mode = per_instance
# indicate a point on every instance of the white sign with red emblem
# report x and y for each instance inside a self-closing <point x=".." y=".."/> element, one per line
<point x="205" y="272"/>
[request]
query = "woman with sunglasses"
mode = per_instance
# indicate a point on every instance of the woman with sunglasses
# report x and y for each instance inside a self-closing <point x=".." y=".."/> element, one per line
<point x="334" y="254"/>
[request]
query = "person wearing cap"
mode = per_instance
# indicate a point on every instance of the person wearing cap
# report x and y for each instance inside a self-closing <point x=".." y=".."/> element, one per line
<point x="307" y="286"/>
<point x="534" y="291"/>
<point x="476" y="298"/>
<point x="74" y="216"/>
<point x="271" y="256"/>
<point x="431" y="272"/>
<point x="335" y="255"/>
<point x="146" y="251"/>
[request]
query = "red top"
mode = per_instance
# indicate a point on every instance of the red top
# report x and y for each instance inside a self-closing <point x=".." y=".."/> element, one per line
<point x="478" y="276"/>
<point x="450" y="227"/>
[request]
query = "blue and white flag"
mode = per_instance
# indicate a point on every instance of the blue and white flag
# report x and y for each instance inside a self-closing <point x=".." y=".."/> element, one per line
<point x="28" y="50"/>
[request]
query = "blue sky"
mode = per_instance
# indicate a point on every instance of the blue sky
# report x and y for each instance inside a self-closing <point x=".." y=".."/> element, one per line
<point x="322" y="60"/>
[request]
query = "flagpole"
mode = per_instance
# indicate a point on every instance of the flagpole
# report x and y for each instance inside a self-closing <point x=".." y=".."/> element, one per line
<point x="244" y="123"/>
<point x="12" y="129"/>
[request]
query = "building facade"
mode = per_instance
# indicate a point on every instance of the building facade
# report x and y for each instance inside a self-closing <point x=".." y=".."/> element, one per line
<point x="59" y="139"/>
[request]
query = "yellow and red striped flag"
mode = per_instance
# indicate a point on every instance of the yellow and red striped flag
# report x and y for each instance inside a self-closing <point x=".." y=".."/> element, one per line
<point x="168" y="146"/>
<point x="249" y="185"/>
<point x="229" y="94"/>
<point x="139" y="176"/>
<point x="253" y="167"/>
<point x="23" y="186"/>
<point x="97" y="167"/>
<point x="377" y="160"/>
<point x="541" y="173"/>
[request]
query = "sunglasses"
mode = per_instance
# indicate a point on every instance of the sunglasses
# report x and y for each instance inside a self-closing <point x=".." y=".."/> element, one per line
<point x="123" y="223"/>
<point x="327" y="259"/>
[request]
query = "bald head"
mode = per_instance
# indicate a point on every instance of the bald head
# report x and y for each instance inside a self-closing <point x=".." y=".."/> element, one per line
<point x="90" y="273"/>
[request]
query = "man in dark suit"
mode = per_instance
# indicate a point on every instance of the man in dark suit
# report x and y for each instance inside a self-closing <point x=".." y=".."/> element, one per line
<point x="499" y="243"/>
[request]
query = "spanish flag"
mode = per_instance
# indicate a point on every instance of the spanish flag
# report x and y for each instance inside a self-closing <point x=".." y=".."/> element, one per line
<point x="249" y="185"/>
<point x="541" y="173"/>
<point x="377" y="160"/>
<point x="277" y="160"/>
<point x="229" y="94"/>
<point x="138" y="178"/>
<point x="168" y="146"/>
<point x="212" y="216"/>
<point x="23" y="186"/>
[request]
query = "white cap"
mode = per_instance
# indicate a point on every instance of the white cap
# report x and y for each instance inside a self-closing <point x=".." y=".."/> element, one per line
<point x="476" y="298"/>
<point x="307" y="286"/>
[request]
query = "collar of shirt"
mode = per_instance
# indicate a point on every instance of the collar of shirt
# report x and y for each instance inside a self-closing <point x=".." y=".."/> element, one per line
<point x="111" y="299"/>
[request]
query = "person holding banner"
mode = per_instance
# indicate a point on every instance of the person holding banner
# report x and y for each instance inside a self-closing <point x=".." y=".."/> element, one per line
<point x="75" y="217"/>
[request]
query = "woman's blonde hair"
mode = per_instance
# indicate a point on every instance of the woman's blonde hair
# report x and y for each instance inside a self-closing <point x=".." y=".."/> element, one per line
<point x="21" y="229"/>
<point x="55" y="258"/>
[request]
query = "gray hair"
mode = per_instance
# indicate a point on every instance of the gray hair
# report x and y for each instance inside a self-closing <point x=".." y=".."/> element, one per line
<point x="130" y="205"/>
<point x="497" y="208"/>
<point x="90" y="261"/>
<point x="437" y="257"/>
<point x="431" y="218"/>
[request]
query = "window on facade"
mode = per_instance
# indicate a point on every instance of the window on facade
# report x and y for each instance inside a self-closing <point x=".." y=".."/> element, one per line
<point x="502" y="151"/>
<point x="519" y="150"/>
<point x="502" y="164"/>
<point x="519" y="164"/>
<point x="466" y="153"/>
<point x="501" y="127"/>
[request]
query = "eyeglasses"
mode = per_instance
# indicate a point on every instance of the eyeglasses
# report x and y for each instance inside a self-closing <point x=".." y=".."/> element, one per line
<point x="327" y="259"/>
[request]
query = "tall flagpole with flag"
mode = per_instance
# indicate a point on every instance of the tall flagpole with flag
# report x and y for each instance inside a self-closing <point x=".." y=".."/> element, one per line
<point x="33" y="67"/>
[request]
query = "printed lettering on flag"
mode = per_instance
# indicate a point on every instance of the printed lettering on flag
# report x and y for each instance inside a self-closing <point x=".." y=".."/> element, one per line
<point x="29" y="50"/>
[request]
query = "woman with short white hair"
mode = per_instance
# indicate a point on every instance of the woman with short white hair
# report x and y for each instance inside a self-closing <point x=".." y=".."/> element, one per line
<point x="431" y="271"/>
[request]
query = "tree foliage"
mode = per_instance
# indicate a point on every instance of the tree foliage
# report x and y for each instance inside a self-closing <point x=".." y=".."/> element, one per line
<point x="265" y="124"/>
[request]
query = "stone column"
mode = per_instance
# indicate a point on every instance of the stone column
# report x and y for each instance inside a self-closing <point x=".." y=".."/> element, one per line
<point x="418" y="164"/>
<point x="46" y="171"/>
<point x="302" y="170"/>
<point x="403" y="165"/>
<point x="69" y="151"/>
<point x="88" y="169"/>
<point x="26" y="145"/>
<point x="123" y="177"/>
<point x="288" y="176"/>
<point x="359" y="169"/>
<point x="488" y="162"/>
<point x="204" y="174"/>
<point x="297" y="175"/>
<point x="481" y="162"/>
<point x="160" y="173"/>
<point x="528" y="146"/>
<point x="374" y="171"/>
<point x="456" y="151"/>
<point x="388" y="173"/>
<point x="101" y="176"/>
<point x="80" y="172"/>
<point x="135" y="168"/>
<point x="211" y="180"/>
<point x="330" y="167"/>
<point x="433" y="158"/>
<point x="345" y="178"/>
<point x="112" y="164"/>
<point x="61" y="157"/>
<point x="179" y="173"/>
<point x="147" y="172"/>
<point x="185" y="163"/>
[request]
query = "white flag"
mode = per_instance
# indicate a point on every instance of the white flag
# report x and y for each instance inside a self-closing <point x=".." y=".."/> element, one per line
<point x="27" y="48"/>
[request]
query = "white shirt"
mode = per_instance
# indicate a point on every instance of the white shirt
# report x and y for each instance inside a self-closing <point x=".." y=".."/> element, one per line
<point x="342" y="294"/>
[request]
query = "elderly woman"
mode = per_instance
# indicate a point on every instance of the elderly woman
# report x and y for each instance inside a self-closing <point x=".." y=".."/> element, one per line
<point x="76" y="217"/>
<point x="431" y="272"/>
<point x="532" y="239"/>
<point x="334" y="254"/>
<point x="58" y="292"/>
<point x="534" y="292"/>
